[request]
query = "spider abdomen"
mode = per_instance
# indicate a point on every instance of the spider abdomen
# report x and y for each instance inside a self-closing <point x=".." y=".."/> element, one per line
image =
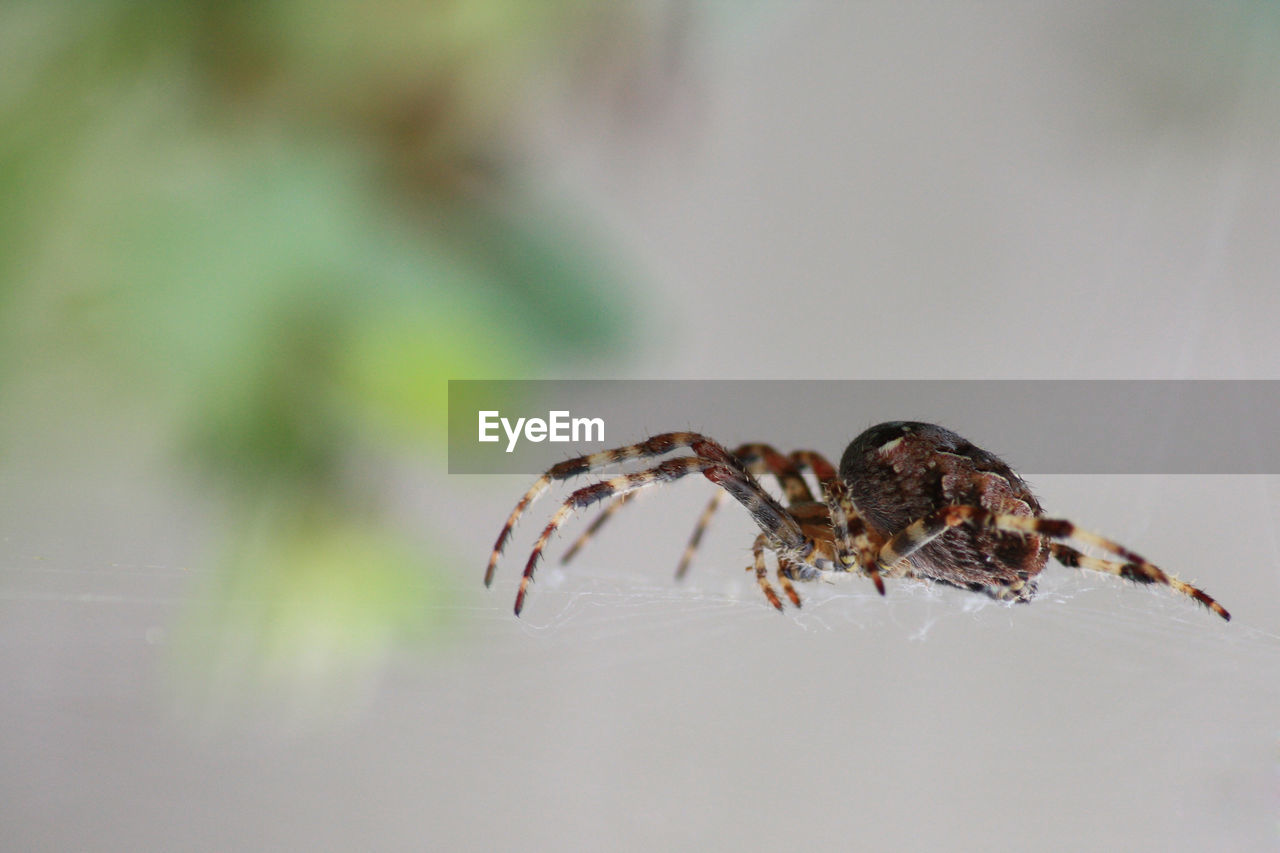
<point x="902" y="471"/>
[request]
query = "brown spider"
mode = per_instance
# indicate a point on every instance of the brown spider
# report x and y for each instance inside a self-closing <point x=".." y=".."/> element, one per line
<point x="911" y="500"/>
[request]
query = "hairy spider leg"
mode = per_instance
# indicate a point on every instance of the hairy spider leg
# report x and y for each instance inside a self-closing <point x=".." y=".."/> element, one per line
<point x="823" y="471"/>
<point x="849" y="533"/>
<point x="598" y="522"/>
<point x="1135" y="567"/>
<point x="794" y="488"/>
<point x="762" y="575"/>
<point x="777" y="526"/>
<point x="785" y="572"/>
<point x="658" y="445"/>
<point x="1136" y="572"/>
<point x="757" y="458"/>
<point x="852" y="544"/>
<point x="699" y="529"/>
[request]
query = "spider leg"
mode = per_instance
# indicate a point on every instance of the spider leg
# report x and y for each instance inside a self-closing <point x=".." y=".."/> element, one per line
<point x="704" y="520"/>
<point x="658" y="445"/>
<point x="762" y="574"/>
<point x="1136" y="572"/>
<point x="758" y="458"/>
<point x="822" y="470"/>
<point x="794" y="488"/>
<point x="776" y="524"/>
<point x="701" y="528"/>
<point x="852" y="543"/>
<point x="784" y="573"/>
<point x="1135" y="567"/>
<point x="588" y="534"/>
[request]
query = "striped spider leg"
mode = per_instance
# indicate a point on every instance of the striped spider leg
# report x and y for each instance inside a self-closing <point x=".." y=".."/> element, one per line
<point x="814" y="517"/>
<point x="1132" y="566"/>
<point x="710" y="459"/>
<point x="658" y="445"/>
<point x="800" y="503"/>
<point x="599" y="521"/>
<point x="757" y="458"/>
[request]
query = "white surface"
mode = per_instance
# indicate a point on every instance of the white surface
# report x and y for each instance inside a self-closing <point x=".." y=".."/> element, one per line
<point x="630" y="712"/>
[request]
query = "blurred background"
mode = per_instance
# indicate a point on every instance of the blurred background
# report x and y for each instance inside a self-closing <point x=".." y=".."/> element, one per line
<point x="244" y="246"/>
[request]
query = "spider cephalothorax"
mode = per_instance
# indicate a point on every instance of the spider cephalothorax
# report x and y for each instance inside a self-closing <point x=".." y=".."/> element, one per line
<point x="910" y="500"/>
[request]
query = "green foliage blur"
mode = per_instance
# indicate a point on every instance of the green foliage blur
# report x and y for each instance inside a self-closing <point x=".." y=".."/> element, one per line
<point x="278" y="229"/>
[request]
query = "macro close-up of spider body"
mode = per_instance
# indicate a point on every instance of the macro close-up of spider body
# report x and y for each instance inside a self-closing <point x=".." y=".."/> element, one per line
<point x="909" y="500"/>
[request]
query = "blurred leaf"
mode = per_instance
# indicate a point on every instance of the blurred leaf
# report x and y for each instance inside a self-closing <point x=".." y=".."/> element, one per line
<point x="274" y="231"/>
<point x="311" y="593"/>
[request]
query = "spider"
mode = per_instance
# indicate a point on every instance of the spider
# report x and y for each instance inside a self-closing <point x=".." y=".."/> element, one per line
<point x="910" y="500"/>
